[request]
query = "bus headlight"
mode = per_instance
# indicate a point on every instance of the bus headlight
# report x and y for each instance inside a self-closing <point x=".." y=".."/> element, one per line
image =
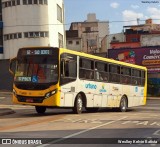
<point x="47" y="95"/>
<point x="50" y="93"/>
<point x="53" y="92"/>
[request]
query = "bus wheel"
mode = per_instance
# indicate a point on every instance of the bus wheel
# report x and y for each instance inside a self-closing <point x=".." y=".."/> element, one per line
<point x="123" y="104"/>
<point x="78" y="105"/>
<point x="40" y="109"/>
<point x="92" y="109"/>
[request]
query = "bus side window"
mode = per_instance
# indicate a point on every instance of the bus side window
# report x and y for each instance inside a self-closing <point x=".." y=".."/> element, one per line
<point x="86" y="69"/>
<point x="114" y="73"/>
<point x="136" y="77"/>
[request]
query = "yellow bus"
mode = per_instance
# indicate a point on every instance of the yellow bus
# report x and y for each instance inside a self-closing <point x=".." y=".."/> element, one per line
<point x="47" y="77"/>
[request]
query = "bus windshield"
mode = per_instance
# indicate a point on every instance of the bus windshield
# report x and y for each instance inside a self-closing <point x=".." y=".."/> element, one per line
<point x="37" y="69"/>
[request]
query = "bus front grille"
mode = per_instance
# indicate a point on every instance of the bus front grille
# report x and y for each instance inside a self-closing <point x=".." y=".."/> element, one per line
<point x="30" y="99"/>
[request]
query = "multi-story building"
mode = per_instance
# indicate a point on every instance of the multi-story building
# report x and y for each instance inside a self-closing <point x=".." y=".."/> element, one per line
<point x="87" y="36"/>
<point x="31" y="23"/>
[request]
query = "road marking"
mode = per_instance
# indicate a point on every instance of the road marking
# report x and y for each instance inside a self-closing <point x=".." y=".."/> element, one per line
<point x="71" y="120"/>
<point x="141" y="122"/>
<point x="81" y="132"/>
<point x="30" y="123"/>
<point x="157" y="133"/>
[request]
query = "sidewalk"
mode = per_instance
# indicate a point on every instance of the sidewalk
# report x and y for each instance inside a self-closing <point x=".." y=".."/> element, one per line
<point x="6" y="111"/>
<point x="153" y="98"/>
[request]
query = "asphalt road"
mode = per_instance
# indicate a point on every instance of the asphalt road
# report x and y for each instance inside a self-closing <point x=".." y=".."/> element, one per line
<point x="60" y="127"/>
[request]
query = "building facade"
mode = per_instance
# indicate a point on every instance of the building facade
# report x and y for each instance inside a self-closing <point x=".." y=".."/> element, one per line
<point x="110" y="39"/>
<point x="89" y="35"/>
<point x="150" y="40"/>
<point x="30" y="23"/>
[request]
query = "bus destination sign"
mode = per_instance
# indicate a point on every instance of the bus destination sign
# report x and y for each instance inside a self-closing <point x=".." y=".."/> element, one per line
<point x="38" y="52"/>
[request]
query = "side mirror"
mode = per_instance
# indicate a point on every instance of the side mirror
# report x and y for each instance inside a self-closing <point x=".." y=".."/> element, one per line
<point x="12" y="66"/>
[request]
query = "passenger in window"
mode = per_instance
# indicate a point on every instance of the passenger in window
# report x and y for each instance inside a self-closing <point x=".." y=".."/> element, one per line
<point x="91" y="75"/>
<point x="126" y="80"/>
<point x="97" y="75"/>
<point x="135" y="82"/>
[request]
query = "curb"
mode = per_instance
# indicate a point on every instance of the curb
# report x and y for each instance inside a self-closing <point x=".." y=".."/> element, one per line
<point x="153" y="98"/>
<point x="6" y="111"/>
<point x="3" y="92"/>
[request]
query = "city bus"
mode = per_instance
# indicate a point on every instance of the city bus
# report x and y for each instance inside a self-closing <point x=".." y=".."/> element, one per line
<point x="47" y="77"/>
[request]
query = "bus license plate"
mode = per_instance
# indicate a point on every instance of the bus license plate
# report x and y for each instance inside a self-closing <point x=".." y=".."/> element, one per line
<point x="29" y="100"/>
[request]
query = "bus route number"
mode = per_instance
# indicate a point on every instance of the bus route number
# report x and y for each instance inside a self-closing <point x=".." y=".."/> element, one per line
<point x="37" y="52"/>
<point x="44" y="52"/>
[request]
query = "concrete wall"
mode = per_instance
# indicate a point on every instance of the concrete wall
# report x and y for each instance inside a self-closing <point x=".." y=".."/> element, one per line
<point x="6" y="79"/>
<point x="150" y="40"/>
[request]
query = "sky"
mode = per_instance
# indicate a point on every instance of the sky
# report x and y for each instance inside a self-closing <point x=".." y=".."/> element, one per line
<point x="119" y="13"/>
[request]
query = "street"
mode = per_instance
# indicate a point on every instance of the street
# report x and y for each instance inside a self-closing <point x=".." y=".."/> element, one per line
<point x="57" y="125"/>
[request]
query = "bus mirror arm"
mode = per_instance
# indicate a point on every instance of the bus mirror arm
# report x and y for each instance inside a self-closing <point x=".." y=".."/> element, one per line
<point x="12" y="65"/>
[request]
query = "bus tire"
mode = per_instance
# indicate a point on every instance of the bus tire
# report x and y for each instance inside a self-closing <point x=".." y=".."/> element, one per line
<point x="92" y="109"/>
<point x="78" y="104"/>
<point x="123" y="104"/>
<point x="40" y="109"/>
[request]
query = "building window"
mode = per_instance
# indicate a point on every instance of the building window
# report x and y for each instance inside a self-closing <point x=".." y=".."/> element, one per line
<point x="134" y="39"/>
<point x="6" y="4"/>
<point x="29" y="2"/>
<point x="42" y="34"/>
<point x="19" y="35"/>
<point x="15" y="36"/>
<point x="18" y="2"/>
<point x="10" y="36"/>
<point x="40" y="2"/>
<point x="9" y="3"/>
<point x="60" y="40"/>
<point x="13" y="2"/>
<point x="46" y="34"/>
<point x="59" y="13"/>
<point x="88" y="29"/>
<point x="69" y="42"/>
<point x="45" y="2"/>
<point x="77" y="42"/>
<point x="35" y="34"/>
<point x="31" y="34"/>
<point x="24" y="2"/>
<point x="35" y="1"/>
<point x="26" y="35"/>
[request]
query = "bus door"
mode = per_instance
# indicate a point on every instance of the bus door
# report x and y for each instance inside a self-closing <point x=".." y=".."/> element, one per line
<point x="68" y="77"/>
